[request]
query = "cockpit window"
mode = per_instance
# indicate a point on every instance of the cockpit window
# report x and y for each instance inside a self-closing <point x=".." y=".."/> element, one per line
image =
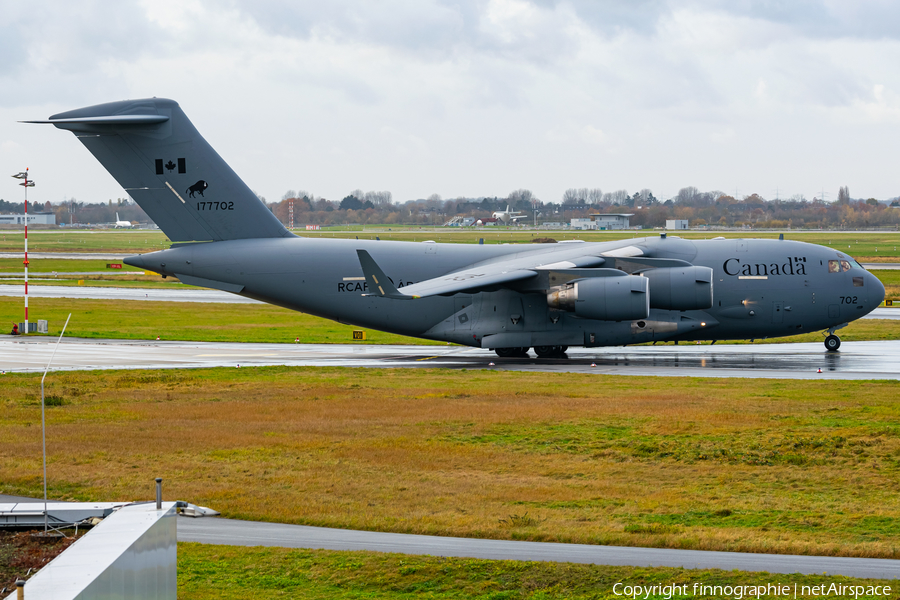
<point x="834" y="266"/>
<point x="845" y="265"/>
<point x="858" y="282"/>
<point x="856" y="265"/>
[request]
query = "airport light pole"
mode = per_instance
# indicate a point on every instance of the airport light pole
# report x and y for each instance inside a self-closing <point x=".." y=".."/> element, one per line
<point x="43" y="422"/>
<point x="26" y="183"/>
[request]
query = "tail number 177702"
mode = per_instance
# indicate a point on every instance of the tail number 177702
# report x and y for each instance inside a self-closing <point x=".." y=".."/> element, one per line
<point x="215" y="206"/>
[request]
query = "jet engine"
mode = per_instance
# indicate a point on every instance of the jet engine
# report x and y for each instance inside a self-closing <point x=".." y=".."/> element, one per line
<point x="623" y="298"/>
<point x="680" y="288"/>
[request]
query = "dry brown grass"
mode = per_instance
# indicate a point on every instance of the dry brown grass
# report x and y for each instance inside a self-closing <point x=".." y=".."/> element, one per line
<point x="764" y="466"/>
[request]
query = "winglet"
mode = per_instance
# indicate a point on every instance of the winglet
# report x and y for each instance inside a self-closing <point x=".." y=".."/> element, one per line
<point x="379" y="284"/>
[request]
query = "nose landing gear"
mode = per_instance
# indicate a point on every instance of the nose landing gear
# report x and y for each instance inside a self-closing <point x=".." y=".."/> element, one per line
<point x="833" y="342"/>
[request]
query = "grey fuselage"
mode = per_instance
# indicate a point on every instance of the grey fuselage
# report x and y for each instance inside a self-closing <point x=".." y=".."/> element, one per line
<point x="761" y="288"/>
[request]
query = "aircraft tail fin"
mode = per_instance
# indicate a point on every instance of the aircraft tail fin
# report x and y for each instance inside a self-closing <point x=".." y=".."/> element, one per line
<point x="153" y="150"/>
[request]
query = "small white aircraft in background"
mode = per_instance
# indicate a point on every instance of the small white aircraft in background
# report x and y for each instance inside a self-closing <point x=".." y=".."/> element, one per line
<point x="120" y="223"/>
<point x="506" y="215"/>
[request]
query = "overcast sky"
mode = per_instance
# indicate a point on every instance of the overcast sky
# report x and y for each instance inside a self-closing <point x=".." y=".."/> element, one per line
<point x="469" y="98"/>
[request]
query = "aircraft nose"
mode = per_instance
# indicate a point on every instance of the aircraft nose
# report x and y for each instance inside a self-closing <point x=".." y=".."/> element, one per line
<point x="876" y="290"/>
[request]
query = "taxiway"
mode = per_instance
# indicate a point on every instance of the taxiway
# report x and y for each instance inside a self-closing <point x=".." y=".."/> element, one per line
<point x="250" y="533"/>
<point x="855" y="360"/>
<point x="219" y="531"/>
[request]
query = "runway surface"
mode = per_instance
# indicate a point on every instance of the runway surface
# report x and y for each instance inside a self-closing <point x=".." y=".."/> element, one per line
<point x="249" y="533"/>
<point x="68" y="255"/>
<point x="856" y="360"/>
<point x="186" y="294"/>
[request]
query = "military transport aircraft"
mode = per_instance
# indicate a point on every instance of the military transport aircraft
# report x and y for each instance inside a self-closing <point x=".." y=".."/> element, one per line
<point x="508" y="298"/>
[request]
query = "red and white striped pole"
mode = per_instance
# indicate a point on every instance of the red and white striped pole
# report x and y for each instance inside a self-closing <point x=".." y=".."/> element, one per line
<point x="27" y="183"/>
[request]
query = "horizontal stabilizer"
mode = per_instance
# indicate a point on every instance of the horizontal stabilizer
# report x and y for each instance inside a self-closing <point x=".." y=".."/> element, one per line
<point x="104" y="120"/>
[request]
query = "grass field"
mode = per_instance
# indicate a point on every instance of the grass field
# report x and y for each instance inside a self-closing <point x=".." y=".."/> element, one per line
<point x="212" y="322"/>
<point x="13" y="266"/>
<point x="194" y="321"/>
<point x="226" y="572"/>
<point x="749" y="465"/>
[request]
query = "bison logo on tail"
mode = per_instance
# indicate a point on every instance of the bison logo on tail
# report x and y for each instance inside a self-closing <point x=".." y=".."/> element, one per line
<point x="197" y="187"/>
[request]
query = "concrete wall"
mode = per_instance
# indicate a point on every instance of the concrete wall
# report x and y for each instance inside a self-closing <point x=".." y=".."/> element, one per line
<point x="132" y="554"/>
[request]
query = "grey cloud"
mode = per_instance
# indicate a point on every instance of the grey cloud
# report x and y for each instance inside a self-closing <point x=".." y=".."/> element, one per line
<point x="612" y="17"/>
<point x="425" y="26"/>
<point x="56" y="46"/>
<point x="435" y="30"/>
<point x="818" y="19"/>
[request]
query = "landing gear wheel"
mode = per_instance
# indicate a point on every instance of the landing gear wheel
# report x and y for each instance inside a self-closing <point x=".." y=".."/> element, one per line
<point x="512" y="352"/>
<point x="832" y="343"/>
<point x="550" y="351"/>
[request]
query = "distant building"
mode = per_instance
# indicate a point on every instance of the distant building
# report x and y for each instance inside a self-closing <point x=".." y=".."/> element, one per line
<point x="609" y="221"/>
<point x="460" y="222"/>
<point x="676" y="223"/>
<point x="41" y="218"/>
<point x="582" y="224"/>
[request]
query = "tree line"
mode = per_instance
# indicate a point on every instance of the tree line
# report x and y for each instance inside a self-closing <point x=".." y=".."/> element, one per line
<point x="713" y="209"/>
<point x="75" y="212"/>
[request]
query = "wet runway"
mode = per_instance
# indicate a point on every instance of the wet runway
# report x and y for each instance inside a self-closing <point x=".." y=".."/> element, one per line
<point x="856" y="360"/>
<point x="186" y="294"/>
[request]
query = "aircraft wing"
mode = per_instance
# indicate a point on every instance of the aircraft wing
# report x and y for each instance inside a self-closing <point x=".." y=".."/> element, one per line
<point x="491" y="274"/>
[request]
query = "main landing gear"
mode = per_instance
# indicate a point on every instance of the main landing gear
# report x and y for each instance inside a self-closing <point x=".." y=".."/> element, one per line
<point x="512" y="352"/>
<point x="542" y="352"/>
<point x="551" y="351"/>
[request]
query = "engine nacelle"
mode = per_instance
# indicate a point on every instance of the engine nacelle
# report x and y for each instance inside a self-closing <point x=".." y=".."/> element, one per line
<point x="622" y="298"/>
<point x="680" y="288"/>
